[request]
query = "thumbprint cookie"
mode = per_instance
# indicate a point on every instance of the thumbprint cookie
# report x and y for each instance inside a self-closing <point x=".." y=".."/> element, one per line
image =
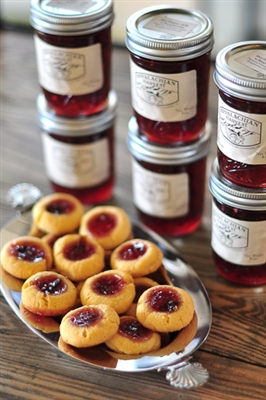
<point x="109" y="225"/>
<point x="115" y="288"/>
<point x="48" y="294"/>
<point x="133" y="338"/>
<point x="25" y="256"/>
<point x="165" y="308"/>
<point x="58" y="213"/>
<point x="78" y="257"/>
<point x="88" y="326"/>
<point x="137" y="256"/>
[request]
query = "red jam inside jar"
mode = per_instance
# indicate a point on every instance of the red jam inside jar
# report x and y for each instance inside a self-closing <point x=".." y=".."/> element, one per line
<point x="170" y="63"/>
<point x="79" y="153"/>
<point x="238" y="231"/>
<point x="187" y="130"/>
<point x="168" y="183"/>
<point x="67" y="39"/>
<point x="241" y="139"/>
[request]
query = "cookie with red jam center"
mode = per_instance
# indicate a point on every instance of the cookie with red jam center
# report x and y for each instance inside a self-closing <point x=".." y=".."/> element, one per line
<point x="141" y="284"/>
<point x="57" y="213"/>
<point x="139" y="257"/>
<point x="133" y="338"/>
<point x="48" y="294"/>
<point x="165" y="308"/>
<point x="78" y="256"/>
<point x="89" y="325"/>
<point x="109" y="225"/>
<point x="114" y="288"/>
<point x="25" y="256"/>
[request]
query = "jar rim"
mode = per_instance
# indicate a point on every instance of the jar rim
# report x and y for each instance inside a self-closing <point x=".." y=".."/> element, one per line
<point x="238" y="71"/>
<point x="71" y="19"/>
<point x="192" y="41"/>
<point x="235" y="195"/>
<point x="76" y="127"/>
<point x="167" y="154"/>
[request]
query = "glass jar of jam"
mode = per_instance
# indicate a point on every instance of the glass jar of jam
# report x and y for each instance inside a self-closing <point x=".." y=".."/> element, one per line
<point x="238" y="230"/>
<point x="73" y="52"/>
<point x="169" y="65"/>
<point x="79" y="152"/>
<point x="240" y="76"/>
<point x="168" y="182"/>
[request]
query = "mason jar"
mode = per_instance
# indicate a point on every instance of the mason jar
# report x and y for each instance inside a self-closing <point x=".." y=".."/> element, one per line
<point x="169" y="51"/>
<point x="73" y="51"/>
<point x="240" y="75"/>
<point x="238" y="230"/>
<point x="79" y="152"/>
<point x="168" y="182"/>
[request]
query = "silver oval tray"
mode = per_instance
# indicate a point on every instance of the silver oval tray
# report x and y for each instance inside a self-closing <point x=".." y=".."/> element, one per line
<point x="181" y="372"/>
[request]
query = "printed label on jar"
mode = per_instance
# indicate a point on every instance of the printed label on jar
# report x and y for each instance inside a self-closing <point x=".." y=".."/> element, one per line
<point x="236" y="241"/>
<point x="165" y="97"/>
<point x="241" y="136"/>
<point x="67" y="71"/>
<point x="76" y="166"/>
<point x="160" y="195"/>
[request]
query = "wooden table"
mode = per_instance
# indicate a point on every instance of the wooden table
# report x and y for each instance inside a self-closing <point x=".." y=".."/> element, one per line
<point x="31" y="369"/>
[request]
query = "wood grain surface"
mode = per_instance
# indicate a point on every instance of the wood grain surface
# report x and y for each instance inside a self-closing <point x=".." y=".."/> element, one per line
<point x="31" y="369"/>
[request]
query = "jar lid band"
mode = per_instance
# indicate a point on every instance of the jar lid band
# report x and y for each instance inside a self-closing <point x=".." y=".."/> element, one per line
<point x="167" y="155"/>
<point x="76" y="127"/>
<point x="169" y="32"/>
<point x="60" y="17"/>
<point x="240" y="70"/>
<point x="234" y="195"/>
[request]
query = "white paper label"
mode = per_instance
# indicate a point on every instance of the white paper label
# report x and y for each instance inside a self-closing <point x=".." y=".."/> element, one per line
<point x="76" y="166"/>
<point x="255" y="60"/>
<point x="163" y="97"/>
<point x="241" y="136"/>
<point x="68" y="71"/>
<point x="160" y="195"/>
<point x="238" y="242"/>
<point x="171" y="27"/>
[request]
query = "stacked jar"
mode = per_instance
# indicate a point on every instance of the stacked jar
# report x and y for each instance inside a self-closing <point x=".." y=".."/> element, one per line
<point x="169" y="136"/>
<point x="238" y="176"/>
<point x="76" y="106"/>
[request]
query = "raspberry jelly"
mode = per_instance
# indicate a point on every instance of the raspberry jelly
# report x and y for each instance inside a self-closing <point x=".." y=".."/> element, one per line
<point x="240" y="75"/>
<point x="73" y="51"/>
<point x="169" y="64"/>
<point x="168" y="182"/>
<point x="238" y="230"/>
<point x="79" y="152"/>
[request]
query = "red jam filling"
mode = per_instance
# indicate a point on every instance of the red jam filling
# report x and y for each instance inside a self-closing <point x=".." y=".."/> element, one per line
<point x="109" y="284"/>
<point x="132" y="329"/>
<point x="50" y="285"/>
<point x="79" y="250"/>
<point x="164" y="300"/>
<point x="85" y="318"/>
<point x="102" y="224"/>
<point x="27" y="251"/>
<point x="59" y="207"/>
<point x="132" y="251"/>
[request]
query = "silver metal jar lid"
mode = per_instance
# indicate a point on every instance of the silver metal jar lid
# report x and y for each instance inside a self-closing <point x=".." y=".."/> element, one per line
<point x="67" y="17"/>
<point x="167" y="155"/>
<point x="234" y="195"/>
<point x="169" y="33"/>
<point x="240" y="70"/>
<point x="76" y="127"/>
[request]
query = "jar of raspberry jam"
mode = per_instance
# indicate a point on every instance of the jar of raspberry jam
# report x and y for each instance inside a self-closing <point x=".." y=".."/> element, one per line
<point x="79" y="152"/>
<point x="238" y="230"/>
<point x="169" y="65"/>
<point x="240" y="76"/>
<point x="168" y="182"/>
<point x="73" y="52"/>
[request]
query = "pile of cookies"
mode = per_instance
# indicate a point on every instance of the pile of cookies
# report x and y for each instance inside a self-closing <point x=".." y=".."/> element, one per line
<point x="85" y="275"/>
